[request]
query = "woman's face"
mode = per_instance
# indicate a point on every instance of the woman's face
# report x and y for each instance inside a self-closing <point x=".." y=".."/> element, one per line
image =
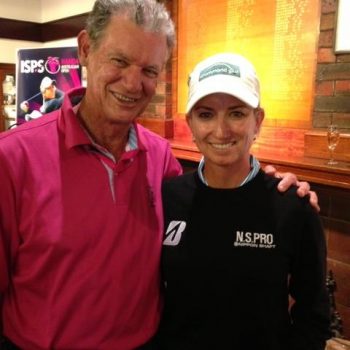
<point x="224" y="129"/>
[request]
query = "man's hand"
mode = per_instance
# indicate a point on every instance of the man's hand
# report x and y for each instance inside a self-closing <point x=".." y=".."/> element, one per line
<point x="289" y="179"/>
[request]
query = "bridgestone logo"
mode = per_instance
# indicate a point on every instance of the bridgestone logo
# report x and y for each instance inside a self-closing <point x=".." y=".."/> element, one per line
<point x="174" y="232"/>
<point x="220" y="69"/>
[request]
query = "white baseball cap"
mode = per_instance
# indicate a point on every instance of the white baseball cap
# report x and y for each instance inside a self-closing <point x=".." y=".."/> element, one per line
<point x="226" y="73"/>
<point x="46" y="82"/>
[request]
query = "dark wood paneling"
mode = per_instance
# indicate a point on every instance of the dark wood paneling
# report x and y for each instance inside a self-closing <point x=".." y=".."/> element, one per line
<point x="29" y="31"/>
<point x="344" y="313"/>
<point x="339" y="240"/>
<point x="63" y="28"/>
<point x="341" y="271"/>
<point x="20" y="30"/>
<point x="334" y="202"/>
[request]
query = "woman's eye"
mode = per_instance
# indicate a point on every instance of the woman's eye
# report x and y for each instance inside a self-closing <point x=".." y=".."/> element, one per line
<point x="237" y="114"/>
<point x="204" y="115"/>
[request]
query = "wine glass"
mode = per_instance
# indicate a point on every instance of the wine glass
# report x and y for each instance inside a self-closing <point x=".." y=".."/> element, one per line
<point x="332" y="139"/>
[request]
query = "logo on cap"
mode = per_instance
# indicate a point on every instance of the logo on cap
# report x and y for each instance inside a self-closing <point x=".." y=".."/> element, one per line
<point x="220" y="69"/>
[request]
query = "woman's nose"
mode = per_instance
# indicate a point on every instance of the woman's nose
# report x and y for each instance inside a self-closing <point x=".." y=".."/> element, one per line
<point x="222" y="129"/>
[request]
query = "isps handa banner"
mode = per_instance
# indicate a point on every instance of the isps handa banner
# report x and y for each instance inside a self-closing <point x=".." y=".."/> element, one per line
<point x="44" y="75"/>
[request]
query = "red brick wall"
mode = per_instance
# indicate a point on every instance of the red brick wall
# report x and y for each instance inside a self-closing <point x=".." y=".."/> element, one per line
<point x="332" y="86"/>
<point x="161" y="107"/>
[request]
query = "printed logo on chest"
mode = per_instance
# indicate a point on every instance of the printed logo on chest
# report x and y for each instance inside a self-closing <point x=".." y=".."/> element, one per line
<point x="174" y="232"/>
<point x="254" y="240"/>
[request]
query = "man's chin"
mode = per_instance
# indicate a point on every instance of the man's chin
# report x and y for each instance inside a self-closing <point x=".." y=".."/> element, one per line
<point x="122" y="119"/>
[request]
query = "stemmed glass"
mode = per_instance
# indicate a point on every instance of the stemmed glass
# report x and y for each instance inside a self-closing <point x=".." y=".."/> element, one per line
<point x="332" y="139"/>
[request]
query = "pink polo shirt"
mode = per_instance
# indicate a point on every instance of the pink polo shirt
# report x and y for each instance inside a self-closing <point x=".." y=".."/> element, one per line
<point x="79" y="248"/>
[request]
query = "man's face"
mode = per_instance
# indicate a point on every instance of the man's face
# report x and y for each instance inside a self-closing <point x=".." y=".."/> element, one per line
<point x="122" y="70"/>
<point x="49" y="92"/>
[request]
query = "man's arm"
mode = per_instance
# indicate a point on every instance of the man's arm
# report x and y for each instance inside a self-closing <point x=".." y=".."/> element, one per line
<point x="8" y="224"/>
<point x="289" y="179"/>
<point x="3" y="280"/>
<point x="0" y="320"/>
<point x="172" y="167"/>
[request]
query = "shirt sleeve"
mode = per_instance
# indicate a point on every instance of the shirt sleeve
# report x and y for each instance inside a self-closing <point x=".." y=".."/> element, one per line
<point x="8" y="223"/>
<point x="310" y="312"/>
<point x="172" y="167"/>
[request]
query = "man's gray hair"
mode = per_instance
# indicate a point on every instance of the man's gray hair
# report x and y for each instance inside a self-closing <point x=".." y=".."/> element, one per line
<point x="148" y="14"/>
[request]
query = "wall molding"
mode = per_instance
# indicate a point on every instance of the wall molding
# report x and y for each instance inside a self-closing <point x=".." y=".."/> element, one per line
<point x="162" y="127"/>
<point x="59" y="29"/>
<point x="316" y="145"/>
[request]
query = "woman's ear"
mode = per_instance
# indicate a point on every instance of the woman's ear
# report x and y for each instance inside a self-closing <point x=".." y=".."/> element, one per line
<point x="189" y="123"/>
<point x="260" y="115"/>
<point x="189" y="120"/>
<point x="83" y="47"/>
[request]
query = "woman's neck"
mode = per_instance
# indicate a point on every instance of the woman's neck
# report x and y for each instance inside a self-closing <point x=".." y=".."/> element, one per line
<point x="225" y="176"/>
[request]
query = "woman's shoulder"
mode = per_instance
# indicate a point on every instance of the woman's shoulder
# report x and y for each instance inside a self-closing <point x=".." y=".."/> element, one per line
<point x="180" y="187"/>
<point x="187" y="179"/>
<point x="288" y="199"/>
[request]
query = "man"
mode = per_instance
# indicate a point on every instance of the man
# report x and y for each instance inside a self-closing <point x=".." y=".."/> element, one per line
<point x="52" y="99"/>
<point x="80" y="207"/>
<point x="80" y="203"/>
<point x="52" y="96"/>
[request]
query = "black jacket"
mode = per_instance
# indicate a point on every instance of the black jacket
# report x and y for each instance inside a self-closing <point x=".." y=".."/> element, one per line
<point x="232" y="259"/>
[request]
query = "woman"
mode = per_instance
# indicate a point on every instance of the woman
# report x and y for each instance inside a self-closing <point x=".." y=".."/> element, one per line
<point x="243" y="265"/>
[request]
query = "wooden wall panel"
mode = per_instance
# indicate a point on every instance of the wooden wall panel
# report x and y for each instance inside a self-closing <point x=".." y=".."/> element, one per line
<point x="344" y="313"/>
<point x="316" y="145"/>
<point x="339" y="240"/>
<point x="20" y="30"/>
<point x="29" y="31"/>
<point x="164" y="128"/>
<point x="342" y="273"/>
<point x="63" y="28"/>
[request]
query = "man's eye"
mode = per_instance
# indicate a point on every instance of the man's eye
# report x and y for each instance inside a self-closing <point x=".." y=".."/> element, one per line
<point x="120" y="62"/>
<point x="151" y="73"/>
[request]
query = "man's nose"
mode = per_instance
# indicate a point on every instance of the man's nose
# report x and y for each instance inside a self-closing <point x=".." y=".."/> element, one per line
<point x="133" y="79"/>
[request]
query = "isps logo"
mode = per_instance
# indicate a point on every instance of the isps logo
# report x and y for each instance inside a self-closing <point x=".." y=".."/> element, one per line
<point x="51" y="65"/>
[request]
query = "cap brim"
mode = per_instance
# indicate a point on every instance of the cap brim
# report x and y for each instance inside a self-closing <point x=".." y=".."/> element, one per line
<point x="230" y="87"/>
